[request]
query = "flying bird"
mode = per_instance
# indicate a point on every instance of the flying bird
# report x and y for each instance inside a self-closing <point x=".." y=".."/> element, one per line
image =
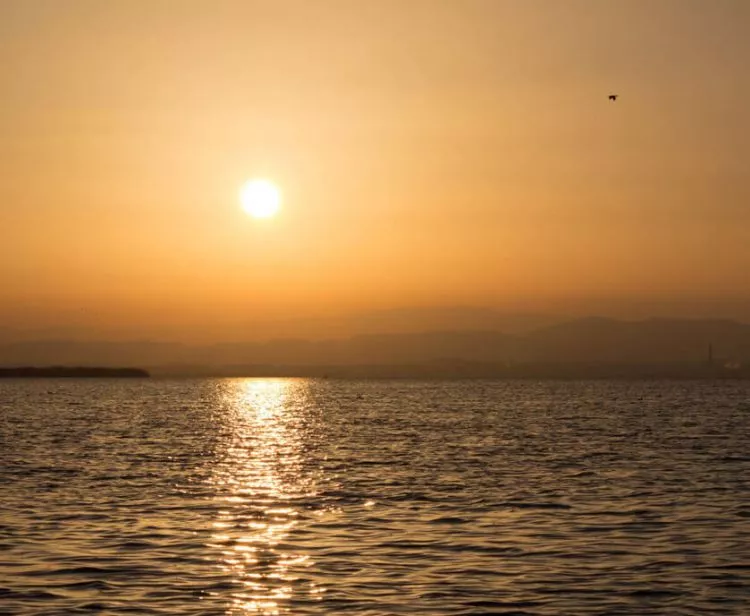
<point x="613" y="97"/>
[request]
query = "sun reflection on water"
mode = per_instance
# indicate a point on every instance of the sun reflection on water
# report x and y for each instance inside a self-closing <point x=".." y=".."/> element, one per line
<point x="262" y="483"/>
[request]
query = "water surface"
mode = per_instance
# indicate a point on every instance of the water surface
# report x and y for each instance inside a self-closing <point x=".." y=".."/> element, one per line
<point x="382" y="497"/>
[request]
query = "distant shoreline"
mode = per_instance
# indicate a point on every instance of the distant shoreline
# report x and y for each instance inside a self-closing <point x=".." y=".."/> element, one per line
<point x="430" y="370"/>
<point x="30" y="372"/>
<point x="463" y="370"/>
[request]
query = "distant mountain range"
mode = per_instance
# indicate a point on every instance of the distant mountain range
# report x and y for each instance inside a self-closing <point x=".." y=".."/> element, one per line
<point x="392" y="321"/>
<point x="588" y="341"/>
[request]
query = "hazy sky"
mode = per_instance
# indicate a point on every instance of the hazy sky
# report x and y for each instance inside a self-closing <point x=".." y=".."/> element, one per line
<point x="430" y="152"/>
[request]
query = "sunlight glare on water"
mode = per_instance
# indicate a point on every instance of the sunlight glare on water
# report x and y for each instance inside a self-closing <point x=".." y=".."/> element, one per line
<point x="259" y="481"/>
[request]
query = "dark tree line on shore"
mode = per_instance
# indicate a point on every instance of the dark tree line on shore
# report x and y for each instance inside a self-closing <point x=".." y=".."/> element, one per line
<point x="72" y="372"/>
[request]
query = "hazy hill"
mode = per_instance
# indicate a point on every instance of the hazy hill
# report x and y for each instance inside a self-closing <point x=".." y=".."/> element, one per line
<point x="82" y="353"/>
<point x="72" y="372"/>
<point x="590" y="340"/>
<point x="400" y="321"/>
<point x="651" y="340"/>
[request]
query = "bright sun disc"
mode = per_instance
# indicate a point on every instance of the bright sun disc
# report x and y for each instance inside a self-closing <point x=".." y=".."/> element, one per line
<point x="260" y="198"/>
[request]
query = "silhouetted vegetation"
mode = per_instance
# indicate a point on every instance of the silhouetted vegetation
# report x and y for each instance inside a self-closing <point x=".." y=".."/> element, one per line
<point x="72" y="372"/>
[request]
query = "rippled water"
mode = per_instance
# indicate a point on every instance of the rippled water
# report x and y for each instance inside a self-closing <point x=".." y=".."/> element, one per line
<point x="383" y="497"/>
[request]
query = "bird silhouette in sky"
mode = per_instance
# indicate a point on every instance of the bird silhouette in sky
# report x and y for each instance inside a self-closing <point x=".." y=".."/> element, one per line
<point x="613" y="97"/>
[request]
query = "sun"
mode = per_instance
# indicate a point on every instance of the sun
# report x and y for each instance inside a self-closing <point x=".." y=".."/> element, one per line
<point x="260" y="198"/>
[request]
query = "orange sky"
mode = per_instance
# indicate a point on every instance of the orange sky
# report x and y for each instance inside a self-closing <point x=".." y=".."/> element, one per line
<point x="429" y="153"/>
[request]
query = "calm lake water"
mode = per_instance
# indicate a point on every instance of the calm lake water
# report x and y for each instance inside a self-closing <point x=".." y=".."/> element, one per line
<point x="384" y="497"/>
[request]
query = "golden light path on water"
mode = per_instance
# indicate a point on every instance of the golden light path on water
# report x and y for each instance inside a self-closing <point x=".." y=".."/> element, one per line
<point x="262" y="483"/>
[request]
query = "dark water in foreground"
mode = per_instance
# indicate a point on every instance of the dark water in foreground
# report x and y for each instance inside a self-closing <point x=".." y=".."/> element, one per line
<point x="327" y="497"/>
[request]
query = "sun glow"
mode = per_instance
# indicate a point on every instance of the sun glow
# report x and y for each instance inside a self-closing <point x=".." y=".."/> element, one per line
<point x="260" y="198"/>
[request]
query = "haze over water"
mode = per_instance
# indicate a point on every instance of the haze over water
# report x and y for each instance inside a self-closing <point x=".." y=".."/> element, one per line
<point x="382" y="497"/>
